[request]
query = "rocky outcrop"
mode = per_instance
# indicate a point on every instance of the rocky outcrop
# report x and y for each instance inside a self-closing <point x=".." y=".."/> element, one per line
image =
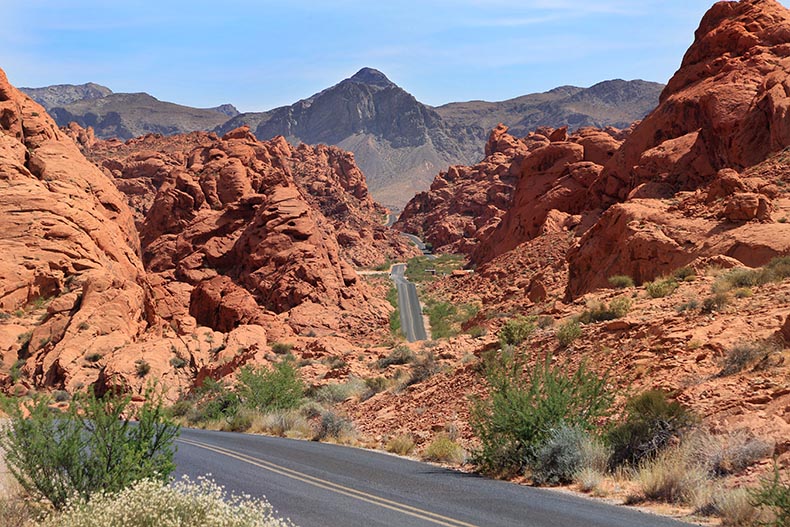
<point x="69" y="243"/>
<point x="233" y="230"/>
<point x="726" y="106"/>
<point x="723" y="112"/>
<point x="464" y="204"/>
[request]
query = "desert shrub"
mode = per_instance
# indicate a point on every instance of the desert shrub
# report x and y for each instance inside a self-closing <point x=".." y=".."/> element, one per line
<point x="715" y="303"/>
<point x="568" y="332"/>
<point x="141" y="367"/>
<point x="729" y="453"/>
<point x="621" y="281"/>
<point x="264" y="389"/>
<point x="423" y="369"/>
<point x="743" y="292"/>
<point x="741" y="355"/>
<point x="400" y="355"/>
<point x="775" y="271"/>
<point x="567" y="452"/>
<point x="559" y="459"/>
<point x="333" y="426"/>
<point x="184" y="503"/>
<point x="525" y="403"/>
<point x="691" y="305"/>
<point x="773" y="495"/>
<point x="588" y="479"/>
<point x="476" y="331"/>
<point x="373" y="386"/>
<point x="92" y="447"/>
<point x="178" y="362"/>
<point x="684" y="274"/>
<point x="402" y="445"/>
<point x="180" y="408"/>
<point x="650" y="422"/>
<point x="283" y="423"/>
<point x="661" y="287"/>
<point x="516" y="331"/>
<point x="736" y="508"/>
<point x="339" y="392"/>
<point x="545" y="321"/>
<point x="93" y="357"/>
<point x="213" y="401"/>
<point x="600" y="311"/>
<point x="444" y="450"/>
<point x="395" y="323"/>
<point x="281" y="348"/>
<point x="61" y="396"/>
<point x="240" y="421"/>
<point x="671" y="477"/>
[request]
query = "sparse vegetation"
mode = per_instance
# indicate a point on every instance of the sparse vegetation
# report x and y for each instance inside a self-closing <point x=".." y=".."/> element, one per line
<point x="684" y="274"/>
<point x="775" y="271"/>
<point x="671" y="477"/>
<point x="525" y="403"/>
<point x="650" y="422"/>
<point x="516" y="331"/>
<point x="444" y="450"/>
<point x="421" y="269"/>
<point x="57" y="456"/>
<point x="568" y="332"/>
<point x="741" y="355"/>
<point x="402" y="444"/>
<point x="178" y="362"/>
<point x="600" y="311"/>
<point x="141" y="367"/>
<point x="774" y="496"/>
<point x="621" y="281"/>
<point x="715" y="303"/>
<point x="281" y="348"/>
<point x="334" y="426"/>
<point x="661" y="287"/>
<point x="446" y="319"/>
<point x="399" y="355"/>
<point x="422" y="369"/>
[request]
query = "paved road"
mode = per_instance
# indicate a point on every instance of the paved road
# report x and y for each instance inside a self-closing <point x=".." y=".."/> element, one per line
<point x="411" y="322"/>
<point x="323" y="485"/>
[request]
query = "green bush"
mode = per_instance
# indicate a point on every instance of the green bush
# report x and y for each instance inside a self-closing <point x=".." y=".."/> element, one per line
<point x="178" y="362"/>
<point x="600" y="312"/>
<point x="661" y="287"/>
<point x="214" y="401"/>
<point x="185" y="503"/>
<point x="774" y="495"/>
<point x="525" y="403"/>
<point x="402" y="444"/>
<point x="684" y="274"/>
<point x="621" y="281"/>
<point x="775" y="271"/>
<point x="568" y="332"/>
<point x="90" y="448"/>
<point x="333" y="426"/>
<point x="264" y="389"/>
<point x="516" y="331"/>
<point x="651" y="421"/>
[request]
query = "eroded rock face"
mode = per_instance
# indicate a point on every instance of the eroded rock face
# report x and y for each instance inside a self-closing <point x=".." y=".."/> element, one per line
<point x="726" y="107"/>
<point x="233" y="230"/>
<point x="67" y="238"/>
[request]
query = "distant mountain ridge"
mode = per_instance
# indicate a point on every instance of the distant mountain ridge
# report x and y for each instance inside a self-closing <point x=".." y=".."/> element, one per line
<point x="398" y="142"/>
<point x="124" y="115"/>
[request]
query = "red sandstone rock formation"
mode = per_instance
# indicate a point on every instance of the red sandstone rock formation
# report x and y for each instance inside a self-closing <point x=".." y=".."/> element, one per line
<point x="66" y="234"/>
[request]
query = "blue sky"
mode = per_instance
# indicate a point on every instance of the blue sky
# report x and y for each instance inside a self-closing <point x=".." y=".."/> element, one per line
<point x="262" y="54"/>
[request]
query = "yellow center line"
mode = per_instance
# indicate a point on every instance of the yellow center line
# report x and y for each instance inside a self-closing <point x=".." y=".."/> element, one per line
<point x="432" y="517"/>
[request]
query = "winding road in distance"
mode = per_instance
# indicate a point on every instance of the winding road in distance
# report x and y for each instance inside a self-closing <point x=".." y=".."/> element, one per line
<point x="324" y="485"/>
<point x="411" y="321"/>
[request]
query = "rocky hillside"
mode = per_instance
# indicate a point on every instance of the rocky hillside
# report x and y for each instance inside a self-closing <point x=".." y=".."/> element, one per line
<point x="616" y="103"/>
<point x="180" y="257"/>
<point x="124" y="115"/>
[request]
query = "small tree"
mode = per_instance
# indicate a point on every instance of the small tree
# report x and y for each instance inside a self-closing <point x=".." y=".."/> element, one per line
<point x="91" y="447"/>
<point x="526" y="403"/>
<point x="279" y="388"/>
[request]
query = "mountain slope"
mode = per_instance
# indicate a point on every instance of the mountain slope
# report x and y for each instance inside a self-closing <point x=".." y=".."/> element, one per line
<point x="124" y="115"/>
<point x="401" y="143"/>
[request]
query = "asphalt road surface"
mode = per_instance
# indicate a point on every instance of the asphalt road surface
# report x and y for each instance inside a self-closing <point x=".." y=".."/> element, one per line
<point x="411" y="322"/>
<point x="324" y="485"/>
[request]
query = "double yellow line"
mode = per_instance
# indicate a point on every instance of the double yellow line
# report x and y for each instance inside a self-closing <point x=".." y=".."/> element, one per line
<point x="428" y="516"/>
